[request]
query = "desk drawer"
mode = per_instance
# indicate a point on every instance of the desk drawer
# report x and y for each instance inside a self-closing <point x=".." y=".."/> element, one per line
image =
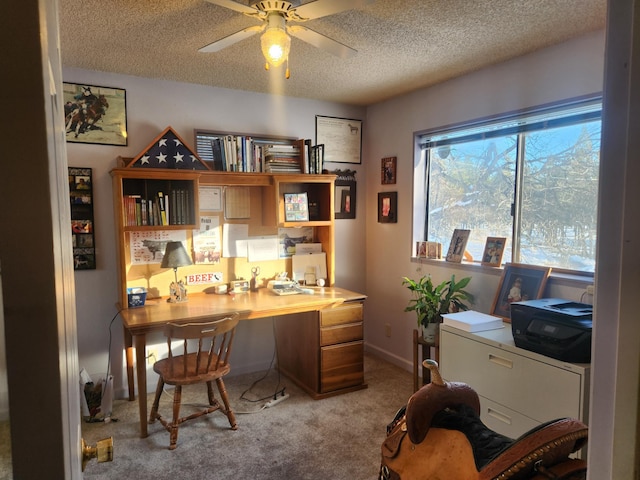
<point x="345" y="313"/>
<point x="340" y="334"/>
<point x="341" y="366"/>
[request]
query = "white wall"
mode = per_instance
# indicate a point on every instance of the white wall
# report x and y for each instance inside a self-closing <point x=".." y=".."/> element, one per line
<point x="568" y="70"/>
<point x="152" y="105"/>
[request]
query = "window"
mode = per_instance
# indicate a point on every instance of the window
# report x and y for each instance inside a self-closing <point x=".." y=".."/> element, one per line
<point x="531" y="177"/>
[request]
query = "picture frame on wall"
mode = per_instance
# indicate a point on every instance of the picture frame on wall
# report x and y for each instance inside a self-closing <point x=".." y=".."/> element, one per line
<point x="388" y="207"/>
<point x="345" y="194"/>
<point x="82" y="223"/>
<point x="519" y="282"/>
<point x="95" y="114"/>
<point x="341" y="137"/>
<point x="493" y="251"/>
<point x="388" y="171"/>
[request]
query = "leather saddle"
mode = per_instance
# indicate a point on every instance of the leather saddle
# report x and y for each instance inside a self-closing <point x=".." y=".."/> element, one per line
<point x="438" y="435"/>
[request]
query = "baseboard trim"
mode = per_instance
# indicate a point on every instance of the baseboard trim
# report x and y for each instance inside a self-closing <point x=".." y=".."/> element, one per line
<point x="389" y="357"/>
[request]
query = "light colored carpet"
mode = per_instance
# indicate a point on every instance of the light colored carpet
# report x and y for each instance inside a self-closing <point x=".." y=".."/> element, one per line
<point x="300" y="438"/>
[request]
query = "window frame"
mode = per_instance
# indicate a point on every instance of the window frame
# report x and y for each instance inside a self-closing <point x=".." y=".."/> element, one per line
<point x="578" y="110"/>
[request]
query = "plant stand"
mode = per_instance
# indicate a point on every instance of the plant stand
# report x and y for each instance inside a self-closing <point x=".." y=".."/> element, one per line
<point x="420" y="342"/>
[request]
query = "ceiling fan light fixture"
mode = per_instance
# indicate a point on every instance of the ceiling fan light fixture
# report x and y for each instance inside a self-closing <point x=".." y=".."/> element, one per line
<point x="274" y="41"/>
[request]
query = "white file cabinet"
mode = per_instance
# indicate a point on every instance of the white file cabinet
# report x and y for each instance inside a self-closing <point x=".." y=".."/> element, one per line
<point x="518" y="389"/>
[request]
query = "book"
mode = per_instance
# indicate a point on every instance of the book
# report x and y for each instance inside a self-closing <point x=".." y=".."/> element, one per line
<point x="161" y="205"/>
<point x="472" y="321"/>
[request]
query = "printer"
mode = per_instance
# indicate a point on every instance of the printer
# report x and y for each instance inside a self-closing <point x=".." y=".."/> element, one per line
<point x="554" y="327"/>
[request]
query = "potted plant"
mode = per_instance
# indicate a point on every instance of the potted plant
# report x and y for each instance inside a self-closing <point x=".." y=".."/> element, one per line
<point x="430" y="301"/>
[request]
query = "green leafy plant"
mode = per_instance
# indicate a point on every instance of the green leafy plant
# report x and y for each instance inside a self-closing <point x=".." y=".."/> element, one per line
<point x="430" y="301"/>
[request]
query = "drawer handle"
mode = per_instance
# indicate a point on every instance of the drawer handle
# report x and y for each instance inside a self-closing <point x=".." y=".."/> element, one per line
<point x="499" y="416"/>
<point x="504" y="362"/>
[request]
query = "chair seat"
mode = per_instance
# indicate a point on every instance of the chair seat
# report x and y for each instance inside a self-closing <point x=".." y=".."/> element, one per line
<point x="163" y="368"/>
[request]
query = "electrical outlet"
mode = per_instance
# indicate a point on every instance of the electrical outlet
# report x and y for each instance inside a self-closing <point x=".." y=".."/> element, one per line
<point x="152" y="356"/>
<point x="387" y="329"/>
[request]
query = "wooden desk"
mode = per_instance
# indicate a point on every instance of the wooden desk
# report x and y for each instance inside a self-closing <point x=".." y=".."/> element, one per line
<point x="137" y="322"/>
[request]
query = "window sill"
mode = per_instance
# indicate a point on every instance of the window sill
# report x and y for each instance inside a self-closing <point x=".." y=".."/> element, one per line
<point x="557" y="277"/>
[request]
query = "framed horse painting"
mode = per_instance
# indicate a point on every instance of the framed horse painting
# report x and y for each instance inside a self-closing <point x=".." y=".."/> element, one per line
<point x="94" y="114"/>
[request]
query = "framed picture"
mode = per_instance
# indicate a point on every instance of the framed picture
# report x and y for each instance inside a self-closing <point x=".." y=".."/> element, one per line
<point x="458" y="245"/>
<point x="434" y="250"/>
<point x="95" y="114"/>
<point x="316" y="162"/>
<point x="345" y="194"/>
<point x="296" y="207"/>
<point x="388" y="207"/>
<point x="493" y="251"/>
<point x="82" y="233"/>
<point x="341" y="137"/>
<point x="518" y="283"/>
<point x="388" y="171"/>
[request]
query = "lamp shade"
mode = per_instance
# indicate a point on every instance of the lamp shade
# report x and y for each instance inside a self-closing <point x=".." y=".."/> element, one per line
<point x="175" y="256"/>
<point x="275" y="42"/>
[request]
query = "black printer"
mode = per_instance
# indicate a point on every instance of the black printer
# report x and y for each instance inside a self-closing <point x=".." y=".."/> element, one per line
<point x="554" y="327"/>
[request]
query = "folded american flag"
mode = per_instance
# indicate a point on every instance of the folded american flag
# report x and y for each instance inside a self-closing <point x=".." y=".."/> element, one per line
<point x="168" y="150"/>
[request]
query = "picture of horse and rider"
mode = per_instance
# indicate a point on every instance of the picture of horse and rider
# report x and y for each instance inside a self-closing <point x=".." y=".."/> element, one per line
<point x="95" y="114"/>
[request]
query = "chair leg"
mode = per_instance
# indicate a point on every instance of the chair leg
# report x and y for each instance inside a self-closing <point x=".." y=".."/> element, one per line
<point x="173" y="431"/>
<point x="210" y="394"/>
<point x="156" y="401"/>
<point x="225" y="398"/>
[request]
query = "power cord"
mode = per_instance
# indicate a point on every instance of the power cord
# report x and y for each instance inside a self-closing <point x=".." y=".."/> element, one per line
<point x="278" y="390"/>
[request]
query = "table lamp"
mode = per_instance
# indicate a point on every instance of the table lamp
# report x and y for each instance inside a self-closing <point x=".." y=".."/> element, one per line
<point x="176" y="256"/>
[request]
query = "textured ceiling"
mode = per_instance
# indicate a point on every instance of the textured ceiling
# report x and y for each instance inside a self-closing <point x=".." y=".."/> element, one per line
<point x="402" y="45"/>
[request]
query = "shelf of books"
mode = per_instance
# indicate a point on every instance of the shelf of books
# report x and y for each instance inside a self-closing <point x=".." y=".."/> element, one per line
<point x="160" y="203"/>
<point x="225" y="152"/>
<point x="152" y="203"/>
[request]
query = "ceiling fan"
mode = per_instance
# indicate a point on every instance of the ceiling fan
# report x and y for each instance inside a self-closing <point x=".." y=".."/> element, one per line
<point x="275" y="16"/>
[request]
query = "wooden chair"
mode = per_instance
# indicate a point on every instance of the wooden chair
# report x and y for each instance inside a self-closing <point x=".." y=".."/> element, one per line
<point x="205" y="354"/>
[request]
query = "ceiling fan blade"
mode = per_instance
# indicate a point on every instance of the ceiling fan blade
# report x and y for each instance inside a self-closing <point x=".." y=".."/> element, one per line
<point x="238" y="7"/>
<point x="322" y="8"/>
<point x="231" y="39"/>
<point x="320" y="41"/>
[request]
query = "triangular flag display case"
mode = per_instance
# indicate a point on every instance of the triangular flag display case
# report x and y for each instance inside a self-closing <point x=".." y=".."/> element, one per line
<point x="168" y="150"/>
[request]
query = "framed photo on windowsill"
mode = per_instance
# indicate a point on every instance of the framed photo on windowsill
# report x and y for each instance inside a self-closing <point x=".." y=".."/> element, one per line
<point x="519" y="282"/>
<point x="458" y="245"/>
<point x="493" y="251"/>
